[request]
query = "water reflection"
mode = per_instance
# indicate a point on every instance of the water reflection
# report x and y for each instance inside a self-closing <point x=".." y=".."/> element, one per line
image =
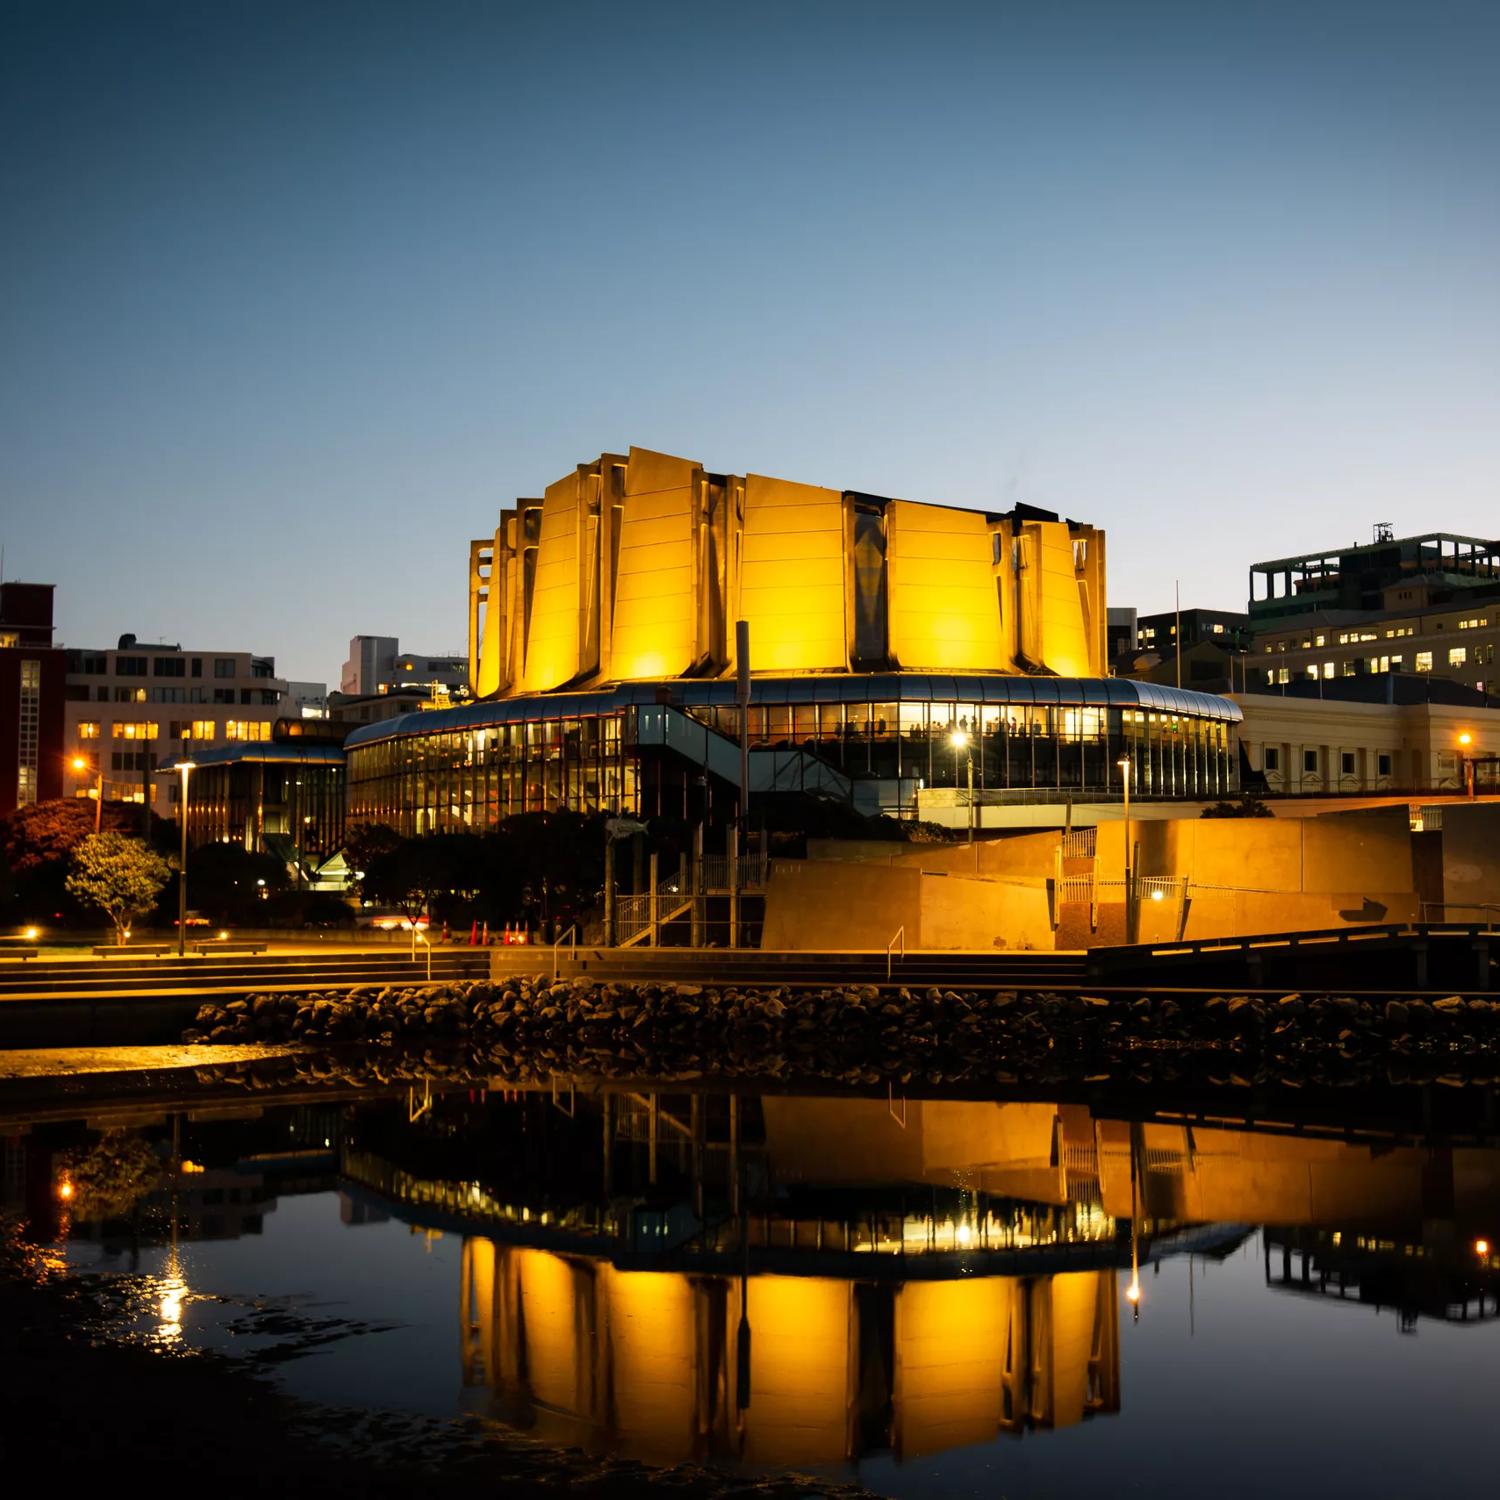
<point x="780" y="1281"/>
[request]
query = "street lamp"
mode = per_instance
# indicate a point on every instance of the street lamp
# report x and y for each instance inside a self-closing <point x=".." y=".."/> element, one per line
<point x="959" y="739"/>
<point x="186" y="767"/>
<point x="80" y="763"/>
<point x="1466" y="762"/>
<point x="1124" y="764"/>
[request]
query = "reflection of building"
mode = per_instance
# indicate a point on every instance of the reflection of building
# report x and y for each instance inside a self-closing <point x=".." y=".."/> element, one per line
<point x="578" y="1350"/>
<point x="603" y="639"/>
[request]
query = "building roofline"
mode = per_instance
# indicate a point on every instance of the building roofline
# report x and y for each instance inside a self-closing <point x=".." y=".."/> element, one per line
<point x="906" y="687"/>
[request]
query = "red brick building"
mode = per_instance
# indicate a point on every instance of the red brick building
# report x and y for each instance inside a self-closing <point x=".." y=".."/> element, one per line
<point x="32" y="681"/>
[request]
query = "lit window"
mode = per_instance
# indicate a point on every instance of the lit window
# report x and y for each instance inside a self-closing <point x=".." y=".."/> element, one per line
<point x="1423" y="661"/>
<point x="134" y="729"/>
<point x="1320" y="640"/>
<point x="88" y="729"/>
<point x="1458" y="656"/>
<point x="1328" y="668"/>
<point x="247" y="729"/>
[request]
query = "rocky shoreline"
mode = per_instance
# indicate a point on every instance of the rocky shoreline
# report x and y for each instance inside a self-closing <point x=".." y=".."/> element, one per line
<point x="526" y="1027"/>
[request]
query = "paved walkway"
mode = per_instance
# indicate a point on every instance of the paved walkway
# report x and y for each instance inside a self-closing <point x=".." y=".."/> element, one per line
<point x="72" y="1062"/>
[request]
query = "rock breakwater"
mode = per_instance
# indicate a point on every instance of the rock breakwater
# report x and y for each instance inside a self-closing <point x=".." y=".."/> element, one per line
<point x="866" y="1033"/>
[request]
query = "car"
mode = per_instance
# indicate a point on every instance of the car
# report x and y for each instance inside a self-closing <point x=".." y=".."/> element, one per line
<point x="387" y="919"/>
<point x="195" y="919"/>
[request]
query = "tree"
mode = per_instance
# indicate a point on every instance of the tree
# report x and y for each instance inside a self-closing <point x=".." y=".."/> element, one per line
<point x="1249" y="806"/>
<point x="119" y="875"/>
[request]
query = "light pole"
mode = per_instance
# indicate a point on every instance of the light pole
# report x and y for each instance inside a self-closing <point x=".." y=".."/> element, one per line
<point x="186" y="767"/>
<point x="959" y="739"/>
<point x="81" y="764"/>
<point x="1124" y="765"/>
<point x="1465" y="740"/>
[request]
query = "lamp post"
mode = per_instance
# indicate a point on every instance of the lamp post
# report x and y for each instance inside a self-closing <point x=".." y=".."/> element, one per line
<point x="80" y="763"/>
<point x="959" y="739"/>
<point x="1124" y="765"/>
<point x="186" y="767"/>
<point x="1466" y="762"/>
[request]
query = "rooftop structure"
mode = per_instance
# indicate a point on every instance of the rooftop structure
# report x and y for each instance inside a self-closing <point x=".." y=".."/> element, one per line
<point x="1387" y="573"/>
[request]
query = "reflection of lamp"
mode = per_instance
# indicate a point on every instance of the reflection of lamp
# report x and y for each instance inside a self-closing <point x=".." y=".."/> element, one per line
<point x="426" y="942"/>
<point x="1130" y="934"/>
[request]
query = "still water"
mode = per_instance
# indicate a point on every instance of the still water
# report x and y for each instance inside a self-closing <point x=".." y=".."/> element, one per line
<point x="935" y="1297"/>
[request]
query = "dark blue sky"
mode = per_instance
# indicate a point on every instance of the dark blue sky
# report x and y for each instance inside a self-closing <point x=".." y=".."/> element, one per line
<point x="293" y="296"/>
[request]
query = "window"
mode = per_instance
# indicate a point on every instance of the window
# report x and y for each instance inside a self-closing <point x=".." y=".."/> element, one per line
<point x="88" y="729"/>
<point x="197" y="666"/>
<point x="1346" y="763"/>
<point x="1309" y="760"/>
<point x="169" y="666"/>
<point x="134" y="729"/>
<point x="1283" y="674"/>
<point x="129" y="695"/>
<point x="1383" y="763"/>
<point x="92" y="666"/>
<point x="223" y="666"/>
<point x="130" y="666"/>
<point x="1458" y="656"/>
<point x="1320" y="640"/>
<point x="247" y="729"/>
<point x="1328" y="668"/>
<point x="1271" y="758"/>
<point x="223" y="695"/>
<point x="28" y="733"/>
<point x="1424" y="661"/>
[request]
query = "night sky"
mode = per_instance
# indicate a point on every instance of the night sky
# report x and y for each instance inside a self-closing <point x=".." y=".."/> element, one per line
<point x="294" y="296"/>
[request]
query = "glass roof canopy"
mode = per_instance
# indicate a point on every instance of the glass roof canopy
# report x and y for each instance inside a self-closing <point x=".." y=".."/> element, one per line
<point x="888" y="687"/>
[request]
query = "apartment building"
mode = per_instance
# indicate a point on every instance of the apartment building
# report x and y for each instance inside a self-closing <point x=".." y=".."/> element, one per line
<point x="132" y="708"/>
<point x="1426" y="604"/>
<point x="1456" y="641"/>
<point x="377" y="665"/>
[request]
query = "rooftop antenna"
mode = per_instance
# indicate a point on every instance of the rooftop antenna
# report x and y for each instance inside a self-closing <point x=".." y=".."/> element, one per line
<point x="1384" y="532"/>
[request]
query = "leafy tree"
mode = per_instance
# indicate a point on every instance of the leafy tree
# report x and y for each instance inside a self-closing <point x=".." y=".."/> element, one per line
<point x="120" y="875"/>
<point x="48" y="832"/>
<point x="1249" y="806"/>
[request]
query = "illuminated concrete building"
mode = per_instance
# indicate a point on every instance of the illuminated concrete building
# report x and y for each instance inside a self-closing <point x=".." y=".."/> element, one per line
<point x="602" y="640"/>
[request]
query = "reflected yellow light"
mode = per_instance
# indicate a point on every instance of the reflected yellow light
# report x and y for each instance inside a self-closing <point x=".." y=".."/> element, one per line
<point x="1481" y="1247"/>
<point x="1133" y="1292"/>
<point x="1156" y="895"/>
<point x="965" y="1235"/>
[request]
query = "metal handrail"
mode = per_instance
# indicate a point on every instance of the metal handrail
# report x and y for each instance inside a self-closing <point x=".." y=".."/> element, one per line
<point x="1444" y="906"/>
<point x="899" y="935"/>
<point x="572" y="932"/>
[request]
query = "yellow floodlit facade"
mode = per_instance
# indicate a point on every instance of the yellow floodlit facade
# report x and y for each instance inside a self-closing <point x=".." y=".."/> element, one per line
<point x="634" y="568"/>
